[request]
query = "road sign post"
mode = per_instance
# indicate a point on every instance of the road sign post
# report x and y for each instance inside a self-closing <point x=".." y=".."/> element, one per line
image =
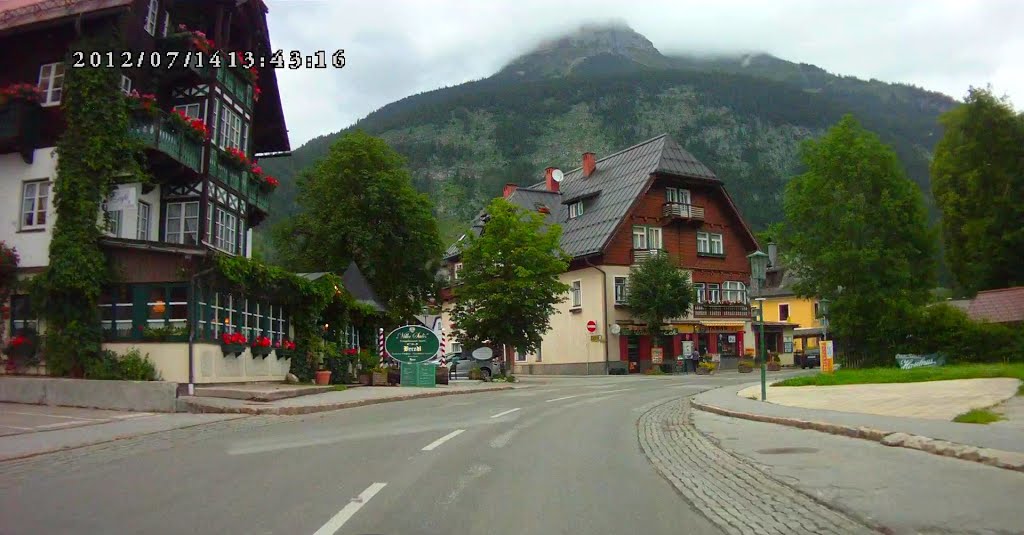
<point x="412" y="346"/>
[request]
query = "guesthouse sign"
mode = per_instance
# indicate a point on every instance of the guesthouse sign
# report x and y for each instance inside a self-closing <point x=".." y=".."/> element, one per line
<point x="411" y="344"/>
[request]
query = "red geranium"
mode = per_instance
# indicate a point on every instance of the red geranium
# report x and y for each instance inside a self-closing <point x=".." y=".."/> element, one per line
<point x="351" y="351"/>
<point x="261" y="341"/>
<point x="233" y="338"/>
<point x="271" y="182"/>
<point x="256" y="92"/>
<point x="238" y="156"/>
<point x="27" y="92"/>
<point x="288" y="344"/>
<point x="18" y="340"/>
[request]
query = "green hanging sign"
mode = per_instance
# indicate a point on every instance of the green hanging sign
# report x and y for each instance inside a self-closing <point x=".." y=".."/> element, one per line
<point x="412" y="344"/>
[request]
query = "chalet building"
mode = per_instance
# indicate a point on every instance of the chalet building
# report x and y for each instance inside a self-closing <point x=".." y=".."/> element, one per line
<point x="792" y="323"/>
<point x="201" y="201"/>
<point x="648" y="199"/>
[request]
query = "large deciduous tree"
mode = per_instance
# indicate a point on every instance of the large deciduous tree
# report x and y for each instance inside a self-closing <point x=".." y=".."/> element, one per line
<point x="509" y="282"/>
<point x="856" y="232"/>
<point x="358" y="204"/>
<point x="978" y="184"/>
<point x="658" y="290"/>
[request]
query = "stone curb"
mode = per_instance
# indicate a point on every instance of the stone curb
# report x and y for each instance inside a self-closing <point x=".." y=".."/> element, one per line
<point x="1008" y="460"/>
<point x="200" y="408"/>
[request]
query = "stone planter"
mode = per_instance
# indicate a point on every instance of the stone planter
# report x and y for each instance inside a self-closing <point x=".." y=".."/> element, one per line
<point x="380" y="379"/>
<point x="261" y="352"/>
<point x="323" y="377"/>
<point x="232" y="350"/>
<point x="283" y="353"/>
<point x="774" y="366"/>
<point x="364" y="379"/>
<point x="441" y="375"/>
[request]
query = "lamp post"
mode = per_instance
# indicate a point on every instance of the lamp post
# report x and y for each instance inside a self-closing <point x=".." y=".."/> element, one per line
<point x="758" y="274"/>
<point x="823" y="307"/>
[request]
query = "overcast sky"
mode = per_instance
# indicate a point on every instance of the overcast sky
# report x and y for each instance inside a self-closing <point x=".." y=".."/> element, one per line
<point x="397" y="48"/>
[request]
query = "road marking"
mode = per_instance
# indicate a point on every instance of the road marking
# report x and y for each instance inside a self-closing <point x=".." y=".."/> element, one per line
<point x="19" y="428"/>
<point x="510" y="411"/>
<point x="55" y="416"/>
<point x="334" y="524"/>
<point x="139" y="415"/>
<point x="443" y="439"/>
<point x="60" y="424"/>
<point x="610" y="391"/>
<point x="566" y="397"/>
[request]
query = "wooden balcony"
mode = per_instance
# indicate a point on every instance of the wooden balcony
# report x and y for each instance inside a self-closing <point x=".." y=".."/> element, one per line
<point x="719" y="310"/>
<point x="159" y="136"/>
<point x="639" y="255"/>
<point x="20" y="127"/>
<point x="686" y="212"/>
<point x="241" y="180"/>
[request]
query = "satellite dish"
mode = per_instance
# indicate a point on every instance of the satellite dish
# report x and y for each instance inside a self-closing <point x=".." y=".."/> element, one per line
<point x="483" y="353"/>
<point x="616" y="328"/>
<point x="557" y="175"/>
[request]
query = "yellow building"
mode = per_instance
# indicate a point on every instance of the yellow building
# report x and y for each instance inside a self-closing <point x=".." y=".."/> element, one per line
<point x="781" y="304"/>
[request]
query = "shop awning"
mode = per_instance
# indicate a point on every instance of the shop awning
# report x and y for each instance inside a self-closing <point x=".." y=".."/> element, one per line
<point x="723" y="323"/>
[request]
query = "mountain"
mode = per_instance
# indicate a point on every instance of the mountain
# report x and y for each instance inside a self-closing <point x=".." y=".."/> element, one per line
<point x="606" y="87"/>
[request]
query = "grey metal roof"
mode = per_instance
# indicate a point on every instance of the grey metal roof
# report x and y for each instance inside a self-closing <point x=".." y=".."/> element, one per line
<point x="355" y="283"/>
<point x="616" y="183"/>
<point x="779" y="282"/>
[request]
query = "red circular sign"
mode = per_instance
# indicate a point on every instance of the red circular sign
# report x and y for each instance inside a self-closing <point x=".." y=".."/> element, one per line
<point x="591" y="326"/>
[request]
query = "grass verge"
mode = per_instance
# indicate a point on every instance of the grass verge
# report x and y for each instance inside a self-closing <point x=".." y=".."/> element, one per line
<point x="978" y="416"/>
<point x="339" y="388"/>
<point x="915" y="375"/>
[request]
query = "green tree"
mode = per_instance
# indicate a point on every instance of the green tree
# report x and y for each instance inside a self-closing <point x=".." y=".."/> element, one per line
<point x="856" y="233"/>
<point x="509" y="279"/>
<point x="978" y="184"/>
<point x="658" y="290"/>
<point x="358" y="204"/>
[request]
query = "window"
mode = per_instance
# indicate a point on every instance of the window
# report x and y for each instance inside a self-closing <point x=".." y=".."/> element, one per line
<point x="784" y="312"/>
<point x="621" y="290"/>
<point x="192" y="110"/>
<point x="520" y="356"/>
<point x="126" y="84"/>
<point x="34" y="199"/>
<point x="787" y="345"/>
<point x="716" y="244"/>
<point x="116" y="304"/>
<point x="734" y="292"/>
<point x="114" y="221"/>
<point x="713" y="293"/>
<point x="456" y="348"/>
<point x="142" y="221"/>
<point x="230" y="129"/>
<point x="151" y="16"/>
<point x="698" y="288"/>
<point x="677" y="195"/>
<point x="576" y="289"/>
<point x="709" y="244"/>
<point x="51" y="83"/>
<point x="575" y="210"/>
<point x="646" y="238"/>
<point x="22" y="315"/>
<point x="182" y="223"/>
<point x="225" y="233"/>
<point x="167" y="24"/>
<point x="703" y="243"/>
<point x="456" y="269"/>
<point x="817" y="310"/>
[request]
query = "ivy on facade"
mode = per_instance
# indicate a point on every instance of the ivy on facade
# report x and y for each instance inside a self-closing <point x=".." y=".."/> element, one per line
<point x="8" y="279"/>
<point x="95" y="151"/>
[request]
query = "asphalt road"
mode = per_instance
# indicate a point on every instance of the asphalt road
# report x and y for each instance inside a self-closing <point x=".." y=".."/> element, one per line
<point x="559" y="457"/>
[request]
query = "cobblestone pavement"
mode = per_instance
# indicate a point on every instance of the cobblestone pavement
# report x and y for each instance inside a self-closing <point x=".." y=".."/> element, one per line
<point x="736" y="496"/>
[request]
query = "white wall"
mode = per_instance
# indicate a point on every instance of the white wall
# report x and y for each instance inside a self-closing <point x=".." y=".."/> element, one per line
<point x="33" y="247"/>
<point x="130" y="216"/>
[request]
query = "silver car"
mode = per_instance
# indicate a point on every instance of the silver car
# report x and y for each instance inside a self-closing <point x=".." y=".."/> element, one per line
<point x="460" y="369"/>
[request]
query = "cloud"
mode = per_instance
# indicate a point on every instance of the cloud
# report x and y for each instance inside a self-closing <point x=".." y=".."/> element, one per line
<point x="399" y="48"/>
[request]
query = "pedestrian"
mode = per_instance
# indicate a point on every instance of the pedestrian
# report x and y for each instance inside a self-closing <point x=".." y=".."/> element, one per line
<point x="694" y="358"/>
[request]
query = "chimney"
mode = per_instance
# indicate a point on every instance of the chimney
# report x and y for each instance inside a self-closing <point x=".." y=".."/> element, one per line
<point x="589" y="164"/>
<point x="773" y="255"/>
<point x="549" y="180"/>
<point x="509" y="189"/>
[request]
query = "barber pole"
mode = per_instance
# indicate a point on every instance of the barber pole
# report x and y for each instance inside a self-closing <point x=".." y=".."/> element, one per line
<point x="442" y="361"/>
<point x="380" y="343"/>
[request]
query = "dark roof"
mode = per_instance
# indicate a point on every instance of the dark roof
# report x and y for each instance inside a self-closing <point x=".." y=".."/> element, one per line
<point x="779" y="282"/>
<point x="17" y="13"/>
<point x="355" y="283"/>
<point x="1005" y="305"/>
<point x="617" y="182"/>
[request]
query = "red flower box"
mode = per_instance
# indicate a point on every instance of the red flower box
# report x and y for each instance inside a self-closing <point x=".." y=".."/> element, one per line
<point x="237" y="158"/>
<point x="25" y="92"/>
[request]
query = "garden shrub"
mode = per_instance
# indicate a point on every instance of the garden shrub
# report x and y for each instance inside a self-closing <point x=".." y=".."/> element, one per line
<point x="133" y="366"/>
<point x="945" y="329"/>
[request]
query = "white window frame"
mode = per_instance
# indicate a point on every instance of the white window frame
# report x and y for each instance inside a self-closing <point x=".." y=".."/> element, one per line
<point x="114" y="222"/>
<point x="703" y="242"/>
<point x="180" y="230"/>
<point x="126" y="85"/>
<point x="225" y="236"/>
<point x="456" y="269"/>
<point x="620" y="286"/>
<point x="456" y="349"/>
<point x="717" y="244"/>
<point x="142" y="221"/>
<point x="167" y="24"/>
<point x="230" y="131"/>
<point x="39" y="203"/>
<point x="639" y="238"/>
<point x="734" y="291"/>
<point x="51" y="83"/>
<point x="151" y="17"/>
<point x="787" y="312"/>
<point x="714" y="293"/>
<point x="654" y="238"/>
<point x="699" y="288"/>
<point x="575" y="209"/>
<point x="576" y="291"/>
<point x="677" y="195"/>
<point x="193" y="110"/>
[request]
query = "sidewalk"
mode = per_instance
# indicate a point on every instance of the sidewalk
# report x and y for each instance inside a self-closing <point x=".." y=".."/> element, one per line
<point x="329" y="401"/>
<point x="998" y="446"/>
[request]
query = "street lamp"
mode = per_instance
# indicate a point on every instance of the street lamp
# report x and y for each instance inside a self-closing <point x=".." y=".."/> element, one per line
<point x="823" y="308"/>
<point x="758" y="274"/>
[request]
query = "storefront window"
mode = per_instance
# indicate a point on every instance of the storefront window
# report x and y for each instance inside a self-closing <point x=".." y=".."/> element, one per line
<point x="728" y="344"/>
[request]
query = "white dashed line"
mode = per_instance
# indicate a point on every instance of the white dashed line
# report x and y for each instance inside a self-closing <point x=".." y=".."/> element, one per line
<point x="56" y="416"/>
<point x="566" y="397"/>
<point x="443" y="439"/>
<point x="610" y="391"/>
<point x="334" y="524"/>
<point x="510" y="411"/>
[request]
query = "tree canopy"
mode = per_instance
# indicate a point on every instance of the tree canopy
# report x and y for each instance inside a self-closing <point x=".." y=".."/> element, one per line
<point x="856" y="232"/>
<point x="978" y="184"/>
<point x="658" y="290"/>
<point x="508" y="285"/>
<point x="358" y="204"/>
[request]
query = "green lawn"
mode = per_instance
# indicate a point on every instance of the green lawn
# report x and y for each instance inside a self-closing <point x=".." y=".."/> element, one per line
<point x="978" y="416"/>
<point x="916" y="375"/>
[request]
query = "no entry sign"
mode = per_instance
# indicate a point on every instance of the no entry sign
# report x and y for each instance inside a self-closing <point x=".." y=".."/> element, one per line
<point x="591" y="326"/>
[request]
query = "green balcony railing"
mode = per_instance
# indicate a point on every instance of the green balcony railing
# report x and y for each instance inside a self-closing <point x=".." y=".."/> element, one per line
<point x="241" y="180"/>
<point x="237" y="84"/>
<point x="157" y="134"/>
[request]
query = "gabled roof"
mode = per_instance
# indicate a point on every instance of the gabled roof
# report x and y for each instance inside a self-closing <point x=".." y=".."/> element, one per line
<point x="1005" y="305"/>
<point x="612" y="189"/>
<point x="779" y="282"/>
<point x="355" y="283"/>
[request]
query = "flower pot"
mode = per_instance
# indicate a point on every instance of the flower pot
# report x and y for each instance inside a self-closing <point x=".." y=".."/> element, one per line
<point x="323" y="377"/>
<point x="774" y="366"/>
<point x="260" y="351"/>
<point x="380" y="379"/>
<point x="232" y="350"/>
<point x="364" y="379"/>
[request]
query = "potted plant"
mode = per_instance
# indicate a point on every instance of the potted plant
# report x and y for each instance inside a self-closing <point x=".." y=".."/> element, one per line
<point x="284" y="349"/>
<point x="367" y="361"/>
<point x="323" y="377"/>
<point x="143" y="105"/>
<point x="236" y="158"/>
<point x="745" y="365"/>
<point x="261" y="347"/>
<point x="379" y="376"/>
<point x="233" y="344"/>
<point x="773" y="364"/>
<point x="193" y="128"/>
<point x="22" y="348"/>
<point x="705" y="368"/>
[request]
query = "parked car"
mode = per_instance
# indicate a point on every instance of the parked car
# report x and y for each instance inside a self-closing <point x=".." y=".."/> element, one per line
<point x="460" y="370"/>
<point x="809" y="358"/>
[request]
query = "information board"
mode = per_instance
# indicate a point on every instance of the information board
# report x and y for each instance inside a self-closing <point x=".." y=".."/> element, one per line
<point x="422" y="375"/>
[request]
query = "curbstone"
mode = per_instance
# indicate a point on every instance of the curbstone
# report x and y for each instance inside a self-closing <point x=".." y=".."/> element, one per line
<point x="1008" y="460"/>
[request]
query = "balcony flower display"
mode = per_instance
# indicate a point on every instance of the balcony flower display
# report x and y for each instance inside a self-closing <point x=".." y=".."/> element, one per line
<point x="233" y="343"/>
<point x="190" y="126"/>
<point x="143" y="104"/>
<point x="237" y="158"/>
<point x="261" y="347"/>
<point x="198" y="39"/>
<point x="21" y="92"/>
<point x="256" y="92"/>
